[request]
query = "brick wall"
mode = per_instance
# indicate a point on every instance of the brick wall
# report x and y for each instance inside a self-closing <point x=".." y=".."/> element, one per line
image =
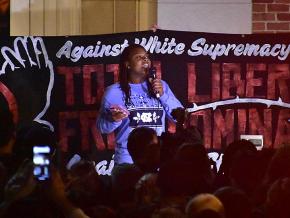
<point x="271" y="16"/>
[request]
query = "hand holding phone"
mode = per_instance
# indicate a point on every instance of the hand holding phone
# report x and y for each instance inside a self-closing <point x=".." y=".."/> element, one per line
<point x="41" y="161"/>
<point x="21" y="184"/>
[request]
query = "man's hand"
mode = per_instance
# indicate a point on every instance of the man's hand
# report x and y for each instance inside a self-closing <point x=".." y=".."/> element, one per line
<point x="154" y="27"/>
<point x="55" y="189"/>
<point x="21" y="184"/>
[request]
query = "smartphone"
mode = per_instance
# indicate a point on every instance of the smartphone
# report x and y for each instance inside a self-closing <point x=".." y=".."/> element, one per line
<point x="41" y="161"/>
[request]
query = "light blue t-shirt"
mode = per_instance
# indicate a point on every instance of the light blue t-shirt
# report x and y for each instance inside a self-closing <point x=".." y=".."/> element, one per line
<point x="144" y="111"/>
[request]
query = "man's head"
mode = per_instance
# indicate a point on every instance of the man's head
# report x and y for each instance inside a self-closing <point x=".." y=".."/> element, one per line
<point x="144" y="148"/>
<point x="31" y="135"/>
<point x="236" y="202"/>
<point x="278" y="197"/>
<point x="234" y="149"/>
<point x="205" y="205"/>
<point x="279" y="166"/>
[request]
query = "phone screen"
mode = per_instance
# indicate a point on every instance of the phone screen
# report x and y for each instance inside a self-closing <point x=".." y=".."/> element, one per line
<point x="41" y="161"/>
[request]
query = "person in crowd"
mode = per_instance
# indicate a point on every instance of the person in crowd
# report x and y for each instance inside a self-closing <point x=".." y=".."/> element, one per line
<point x="244" y="173"/>
<point x="279" y="166"/>
<point x="30" y="135"/>
<point x="146" y="190"/>
<point x="278" y="198"/>
<point x="20" y="185"/>
<point x="22" y="189"/>
<point x="84" y="186"/>
<point x="236" y="148"/>
<point x="236" y="203"/>
<point x="170" y="142"/>
<point x="196" y="154"/>
<point x="205" y="206"/>
<point x="143" y="147"/>
<point x="178" y="181"/>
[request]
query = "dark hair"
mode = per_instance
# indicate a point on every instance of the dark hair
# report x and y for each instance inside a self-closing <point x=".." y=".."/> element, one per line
<point x="236" y="203"/>
<point x="279" y="166"/>
<point x="124" y="73"/>
<point x="278" y="197"/>
<point x="197" y="155"/>
<point x="31" y="134"/>
<point x="180" y="178"/>
<point x="138" y="139"/>
<point x="234" y="149"/>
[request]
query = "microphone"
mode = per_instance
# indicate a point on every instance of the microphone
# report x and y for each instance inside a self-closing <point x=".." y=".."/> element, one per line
<point x="152" y="75"/>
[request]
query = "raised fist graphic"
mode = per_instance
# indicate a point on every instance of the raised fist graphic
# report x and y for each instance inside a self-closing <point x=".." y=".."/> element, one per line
<point x="26" y="79"/>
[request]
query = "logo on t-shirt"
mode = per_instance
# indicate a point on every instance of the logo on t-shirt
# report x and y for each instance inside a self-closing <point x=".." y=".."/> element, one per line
<point x="150" y="117"/>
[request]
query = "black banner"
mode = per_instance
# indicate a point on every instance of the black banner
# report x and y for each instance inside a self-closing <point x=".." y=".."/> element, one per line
<point x="232" y="84"/>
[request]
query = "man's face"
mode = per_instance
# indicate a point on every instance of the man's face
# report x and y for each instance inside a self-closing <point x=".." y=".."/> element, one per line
<point x="139" y="63"/>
